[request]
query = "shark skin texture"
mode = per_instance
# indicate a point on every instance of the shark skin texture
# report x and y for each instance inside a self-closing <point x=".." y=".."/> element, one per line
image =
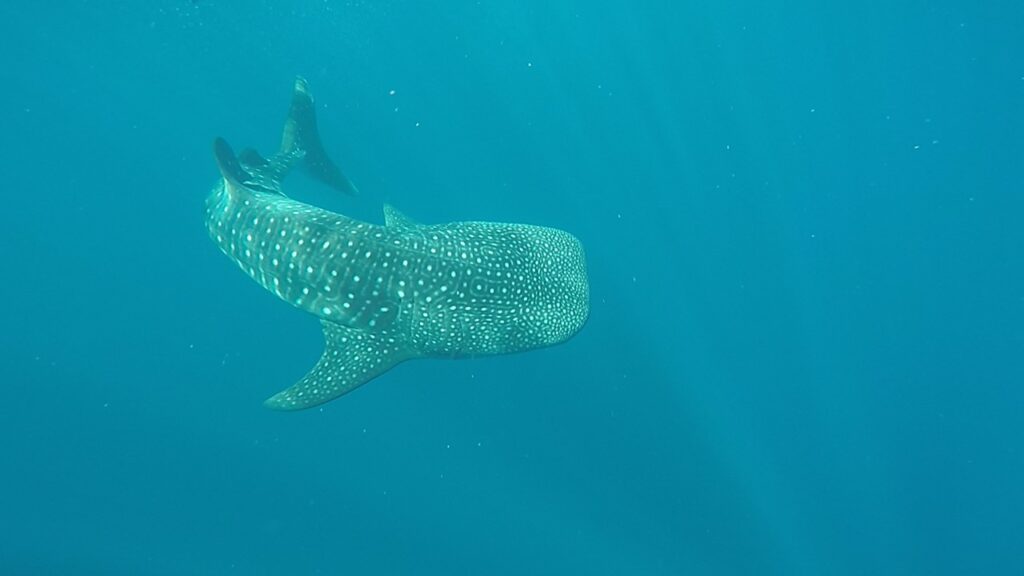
<point x="394" y="292"/>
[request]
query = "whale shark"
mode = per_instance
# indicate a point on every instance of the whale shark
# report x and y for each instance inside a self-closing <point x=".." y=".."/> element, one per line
<point x="387" y="293"/>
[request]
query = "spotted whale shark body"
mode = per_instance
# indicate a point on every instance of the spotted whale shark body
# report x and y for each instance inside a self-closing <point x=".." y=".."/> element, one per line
<point x="386" y="294"/>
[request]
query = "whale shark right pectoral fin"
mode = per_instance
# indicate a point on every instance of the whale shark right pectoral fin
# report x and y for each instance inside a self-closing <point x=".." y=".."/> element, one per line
<point x="351" y="358"/>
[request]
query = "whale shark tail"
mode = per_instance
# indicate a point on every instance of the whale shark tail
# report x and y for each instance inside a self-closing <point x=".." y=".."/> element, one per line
<point x="302" y="139"/>
<point x="300" y="146"/>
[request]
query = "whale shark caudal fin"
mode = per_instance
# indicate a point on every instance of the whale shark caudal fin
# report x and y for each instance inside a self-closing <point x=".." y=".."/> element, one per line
<point x="301" y="138"/>
<point x="351" y="358"/>
<point x="300" y="145"/>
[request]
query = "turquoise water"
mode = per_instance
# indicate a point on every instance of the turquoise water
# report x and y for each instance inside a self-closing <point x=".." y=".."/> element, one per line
<point x="803" y="227"/>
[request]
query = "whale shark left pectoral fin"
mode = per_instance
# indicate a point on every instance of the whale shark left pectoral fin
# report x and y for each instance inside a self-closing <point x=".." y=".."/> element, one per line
<point x="351" y="358"/>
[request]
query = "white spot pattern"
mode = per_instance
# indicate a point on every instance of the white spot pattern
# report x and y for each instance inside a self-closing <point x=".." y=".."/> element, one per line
<point x="459" y="289"/>
<point x="385" y="294"/>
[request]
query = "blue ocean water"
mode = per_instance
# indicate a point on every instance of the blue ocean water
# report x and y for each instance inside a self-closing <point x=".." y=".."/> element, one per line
<point x="803" y="228"/>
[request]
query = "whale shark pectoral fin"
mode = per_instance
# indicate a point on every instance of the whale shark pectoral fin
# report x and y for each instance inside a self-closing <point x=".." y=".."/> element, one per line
<point x="395" y="219"/>
<point x="351" y="358"/>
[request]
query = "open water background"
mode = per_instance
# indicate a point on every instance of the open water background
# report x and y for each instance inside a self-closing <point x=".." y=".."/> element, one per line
<point x="803" y="223"/>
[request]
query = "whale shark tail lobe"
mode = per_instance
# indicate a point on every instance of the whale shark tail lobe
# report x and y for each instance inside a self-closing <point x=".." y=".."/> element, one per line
<point x="301" y="141"/>
<point x="300" y="145"/>
<point x="351" y="358"/>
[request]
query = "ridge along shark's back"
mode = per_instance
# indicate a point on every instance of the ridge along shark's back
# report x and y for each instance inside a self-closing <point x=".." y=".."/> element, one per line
<point x="385" y="294"/>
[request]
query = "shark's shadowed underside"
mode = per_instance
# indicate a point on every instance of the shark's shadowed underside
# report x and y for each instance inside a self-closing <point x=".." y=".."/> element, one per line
<point x="385" y="294"/>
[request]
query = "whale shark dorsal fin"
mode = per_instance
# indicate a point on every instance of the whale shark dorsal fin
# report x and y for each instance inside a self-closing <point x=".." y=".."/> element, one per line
<point x="351" y="358"/>
<point x="395" y="219"/>
<point x="300" y="143"/>
<point x="227" y="163"/>
<point x="252" y="159"/>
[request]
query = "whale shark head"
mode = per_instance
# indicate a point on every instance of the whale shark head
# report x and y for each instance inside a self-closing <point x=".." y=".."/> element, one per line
<point x="392" y="292"/>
